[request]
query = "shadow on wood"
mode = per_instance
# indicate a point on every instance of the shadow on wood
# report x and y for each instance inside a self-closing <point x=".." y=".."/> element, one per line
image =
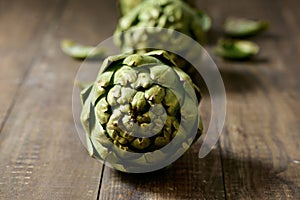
<point x="254" y="179"/>
<point x="187" y="178"/>
<point x="239" y="80"/>
<point x="194" y="178"/>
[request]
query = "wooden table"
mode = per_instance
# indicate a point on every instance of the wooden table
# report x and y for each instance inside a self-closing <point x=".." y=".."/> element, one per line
<point x="41" y="156"/>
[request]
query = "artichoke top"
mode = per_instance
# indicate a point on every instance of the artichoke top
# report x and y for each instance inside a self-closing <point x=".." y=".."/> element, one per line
<point x="139" y="103"/>
<point x="168" y="14"/>
<point x="127" y="5"/>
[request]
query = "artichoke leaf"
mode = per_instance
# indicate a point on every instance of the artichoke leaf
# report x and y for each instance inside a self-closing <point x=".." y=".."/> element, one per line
<point x="236" y="49"/>
<point x="111" y="61"/>
<point x="241" y="27"/>
<point x="84" y="94"/>
<point x="187" y="84"/>
<point x="164" y="76"/>
<point x="79" y="51"/>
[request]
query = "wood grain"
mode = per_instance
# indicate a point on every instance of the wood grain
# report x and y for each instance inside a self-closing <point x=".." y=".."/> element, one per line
<point x="41" y="155"/>
<point x="22" y="25"/>
<point x="187" y="178"/>
<point x="260" y="144"/>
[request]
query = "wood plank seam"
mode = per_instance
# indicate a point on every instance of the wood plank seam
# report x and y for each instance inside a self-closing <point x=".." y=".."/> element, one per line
<point x="39" y="43"/>
<point x="222" y="167"/>
<point x="100" y="183"/>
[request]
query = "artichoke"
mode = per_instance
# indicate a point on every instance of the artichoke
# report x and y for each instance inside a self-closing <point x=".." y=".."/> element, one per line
<point x="241" y="27"/>
<point x="79" y="51"/>
<point x="162" y="14"/>
<point x="141" y="113"/>
<point x="127" y="5"/>
<point x="236" y="49"/>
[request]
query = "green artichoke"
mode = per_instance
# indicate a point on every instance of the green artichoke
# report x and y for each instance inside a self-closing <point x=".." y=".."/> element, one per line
<point x="141" y="112"/>
<point x="167" y="14"/>
<point x="80" y="51"/>
<point x="241" y="28"/>
<point x="127" y="5"/>
<point x="236" y="49"/>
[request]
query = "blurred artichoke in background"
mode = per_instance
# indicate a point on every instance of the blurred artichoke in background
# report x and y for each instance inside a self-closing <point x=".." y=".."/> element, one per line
<point x="127" y="5"/>
<point x="241" y="27"/>
<point x="236" y="49"/>
<point x="79" y="51"/>
<point x="167" y="14"/>
<point x="141" y="112"/>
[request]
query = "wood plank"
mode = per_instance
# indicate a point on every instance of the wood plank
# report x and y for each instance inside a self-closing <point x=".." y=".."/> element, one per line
<point x="42" y="159"/>
<point x="41" y="155"/>
<point x="260" y="146"/>
<point x="22" y="26"/>
<point x="188" y="178"/>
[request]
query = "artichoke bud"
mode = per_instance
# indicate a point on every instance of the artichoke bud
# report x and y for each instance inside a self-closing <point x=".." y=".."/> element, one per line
<point x="126" y="6"/>
<point x="139" y="102"/>
<point x="113" y="95"/>
<point x="140" y="111"/>
<point x="162" y="21"/>
<point x="154" y="13"/>
<point x="171" y="102"/>
<point x="125" y="75"/>
<point x="101" y="111"/>
<point x="177" y="14"/>
<point x="157" y="110"/>
<point x="170" y="14"/>
<point x="104" y="79"/>
<point x="158" y="125"/>
<point x="145" y="118"/>
<point x="124" y="108"/>
<point x="128" y="123"/>
<point x="170" y="120"/>
<point x="168" y="128"/>
<point x="155" y="94"/>
<point x="127" y="136"/>
<point x="126" y="95"/>
<point x="102" y="82"/>
<point x="143" y="81"/>
<point x="115" y="117"/>
<point x="161" y="141"/>
<point x="145" y="129"/>
<point x="176" y="124"/>
<point x="141" y="143"/>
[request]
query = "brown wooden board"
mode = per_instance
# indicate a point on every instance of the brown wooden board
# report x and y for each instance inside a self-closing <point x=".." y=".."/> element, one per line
<point x="187" y="178"/>
<point x="41" y="155"/>
<point x="260" y="144"/>
<point x="22" y="25"/>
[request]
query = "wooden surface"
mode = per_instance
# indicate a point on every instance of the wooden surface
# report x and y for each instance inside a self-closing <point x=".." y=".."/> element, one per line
<point x="41" y="156"/>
